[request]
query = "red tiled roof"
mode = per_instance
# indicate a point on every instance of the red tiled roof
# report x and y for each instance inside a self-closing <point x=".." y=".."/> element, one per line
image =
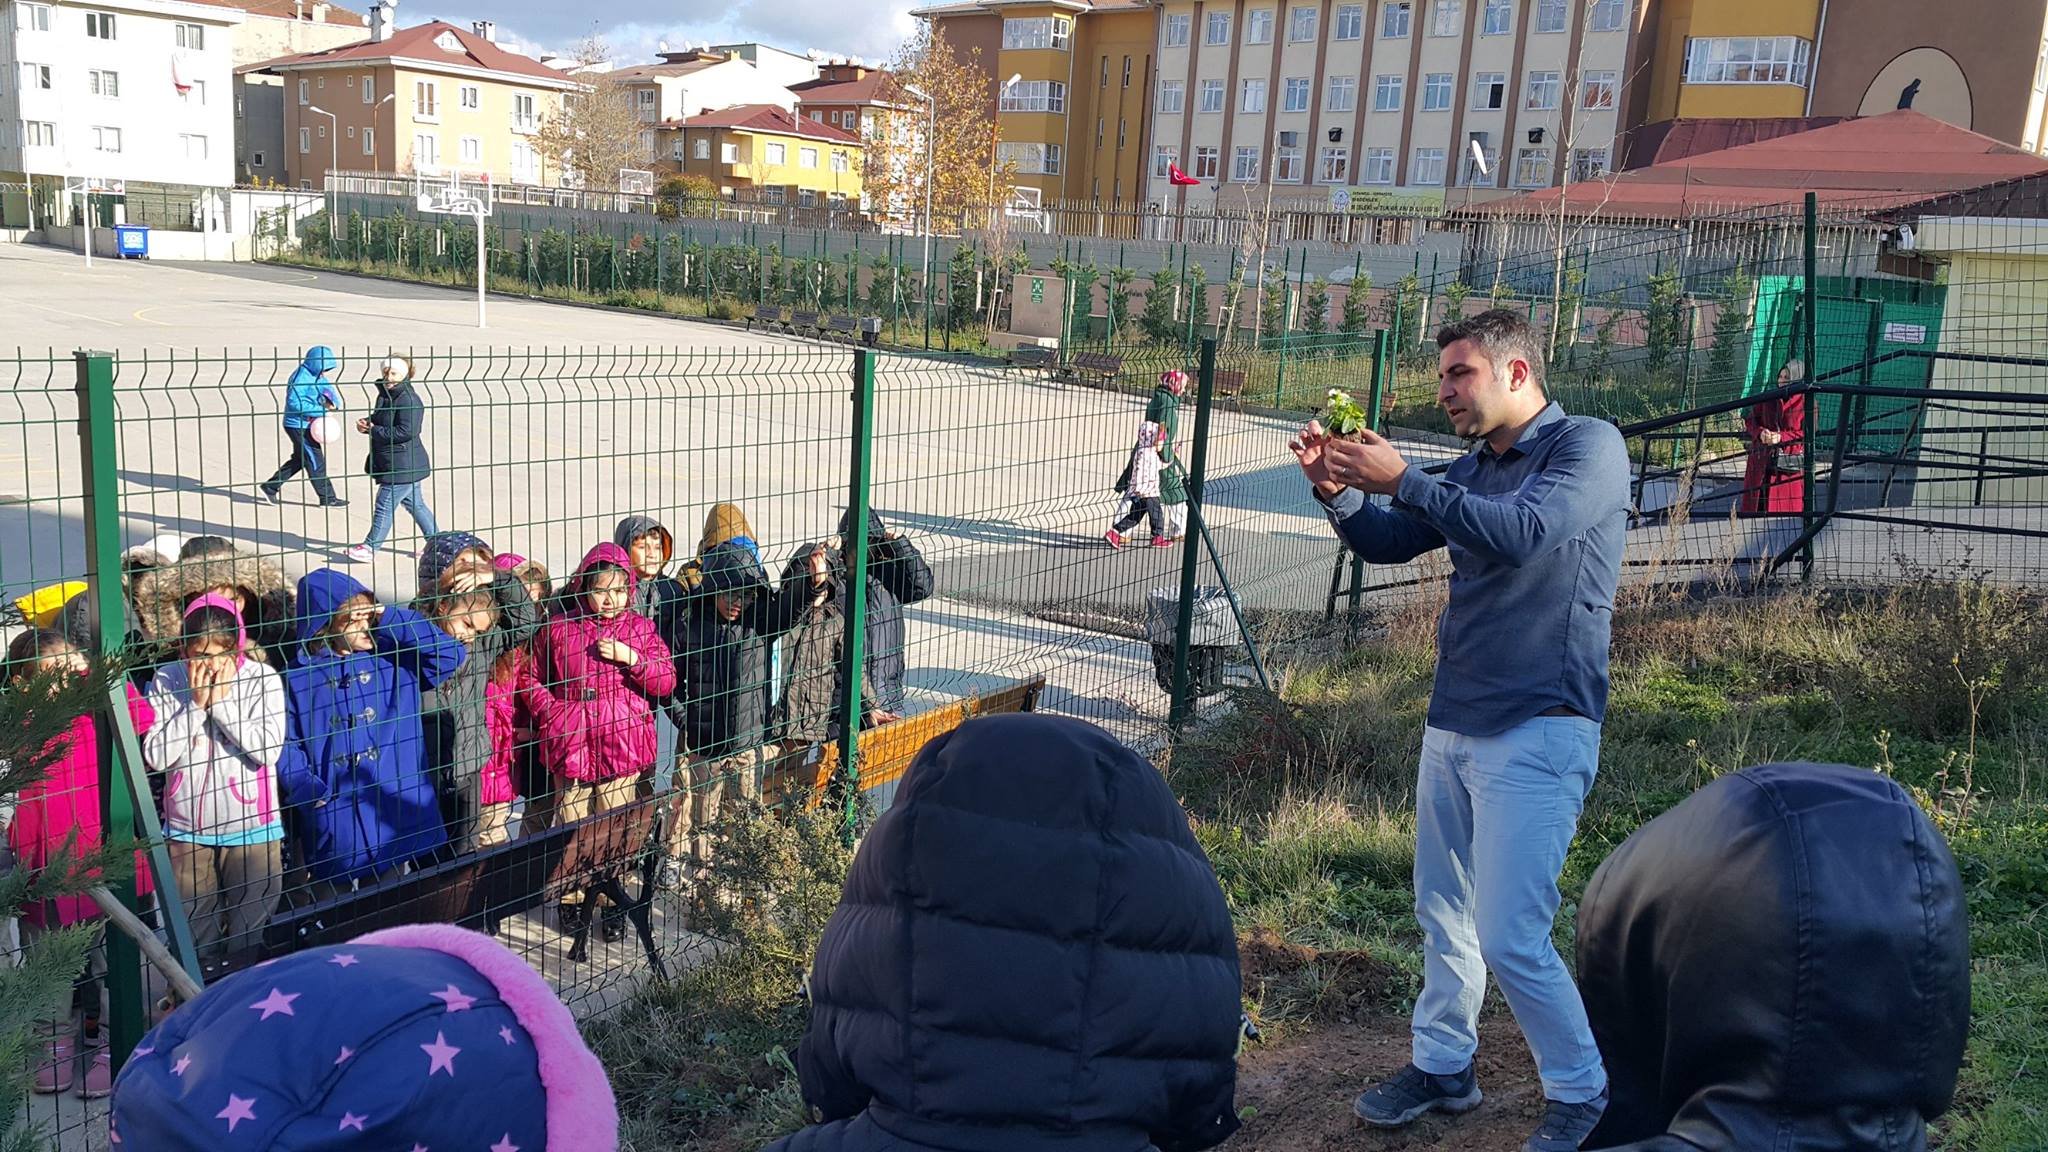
<point x="668" y="68"/>
<point x="292" y="10"/>
<point x="766" y="118"/>
<point x="1678" y="139"/>
<point x="1863" y="164"/>
<point x="873" y="88"/>
<point x="417" y="43"/>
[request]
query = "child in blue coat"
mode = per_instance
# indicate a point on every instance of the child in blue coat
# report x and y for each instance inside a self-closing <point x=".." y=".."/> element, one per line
<point x="308" y="397"/>
<point x="354" y="772"/>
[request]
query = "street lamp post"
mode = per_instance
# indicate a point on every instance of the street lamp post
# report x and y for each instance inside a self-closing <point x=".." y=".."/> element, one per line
<point x="931" y="127"/>
<point x="333" y="140"/>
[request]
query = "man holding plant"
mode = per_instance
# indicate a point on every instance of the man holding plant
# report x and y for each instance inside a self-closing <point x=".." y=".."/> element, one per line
<point x="1534" y="519"/>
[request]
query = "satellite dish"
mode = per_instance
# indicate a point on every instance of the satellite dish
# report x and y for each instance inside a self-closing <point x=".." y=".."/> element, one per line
<point x="1479" y="159"/>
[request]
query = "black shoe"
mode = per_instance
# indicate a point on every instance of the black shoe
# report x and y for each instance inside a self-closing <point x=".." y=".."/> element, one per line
<point x="570" y="919"/>
<point x="334" y="502"/>
<point x="1411" y="1093"/>
<point x="612" y="928"/>
<point x="270" y="494"/>
<point x="1565" y="1126"/>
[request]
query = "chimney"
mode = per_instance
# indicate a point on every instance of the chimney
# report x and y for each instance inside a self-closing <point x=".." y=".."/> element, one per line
<point x="319" y="12"/>
<point x="486" y="30"/>
<point x="383" y="19"/>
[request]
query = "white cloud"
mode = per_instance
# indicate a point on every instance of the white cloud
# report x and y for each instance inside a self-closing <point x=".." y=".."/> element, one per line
<point x="867" y="28"/>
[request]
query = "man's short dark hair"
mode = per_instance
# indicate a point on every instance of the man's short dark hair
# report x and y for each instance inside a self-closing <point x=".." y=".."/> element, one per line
<point x="1501" y="336"/>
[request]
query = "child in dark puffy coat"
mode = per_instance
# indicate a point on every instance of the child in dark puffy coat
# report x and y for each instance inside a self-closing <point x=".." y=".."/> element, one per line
<point x="598" y="672"/>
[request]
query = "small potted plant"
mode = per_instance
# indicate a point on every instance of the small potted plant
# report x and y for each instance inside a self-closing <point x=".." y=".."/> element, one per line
<point x="1342" y="417"/>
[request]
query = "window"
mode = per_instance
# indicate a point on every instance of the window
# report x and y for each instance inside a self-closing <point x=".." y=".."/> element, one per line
<point x="1386" y="93"/>
<point x="774" y="194"/>
<point x="807" y="157"/>
<point x="1207" y="162"/>
<point x="369" y="141"/>
<point x="1122" y="124"/>
<point x="38" y="134"/>
<point x="471" y="97"/>
<point x="369" y="88"/>
<point x="35" y="76"/>
<point x="1301" y="25"/>
<point x="472" y="150"/>
<point x="1394" y="20"/>
<point x="106" y="84"/>
<point x="1252" y="96"/>
<point x="426" y="150"/>
<point x="1379" y="166"/>
<point x="1030" y="158"/>
<point x="33" y="17"/>
<point x="1216" y="30"/>
<point x="106" y="139"/>
<point x="1035" y="96"/>
<point x="1427" y="168"/>
<point x="1104" y="82"/>
<point x="701" y="149"/>
<point x="1172" y="96"/>
<point x="728" y="152"/>
<point x="1350" y="22"/>
<point x="1258" y="26"/>
<point x="426" y="96"/>
<point x="525" y="115"/>
<point x="256" y="160"/>
<point x="192" y="38"/>
<point x="1472" y="174"/>
<point x="806" y="198"/>
<point x="1746" y="60"/>
<point x="448" y="42"/>
<point x="1436" y="91"/>
<point x="1164" y="156"/>
<point x="1212" y="96"/>
<point x="1489" y="90"/>
<point x="1287" y="158"/>
<point x="1343" y="93"/>
<point x="1606" y="16"/>
<point x="1296" y="95"/>
<point x="1127" y="71"/>
<point x="1542" y="91"/>
<point x="305" y="141"/>
<point x="1447" y="18"/>
<point x="2041" y="69"/>
<point x="321" y="131"/>
<point x="775" y="155"/>
<point x="525" y="161"/>
<point x="1532" y="167"/>
<point x="1037" y="32"/>
<point x="1244" y="165"/>
<point x="1589" y="163"/>
<point x="100" y="26"/>
<point x="1550" y="15"/>
<point x="1177" y="30"/>
<point x="1334" y="167"/>
<point x="1499" y="17"/>
<point x="304" y="99"/>
<point x="1596" y="89"/>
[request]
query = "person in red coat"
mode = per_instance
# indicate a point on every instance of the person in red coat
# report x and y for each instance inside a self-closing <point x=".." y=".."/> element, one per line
<point x="1775" y="480"/>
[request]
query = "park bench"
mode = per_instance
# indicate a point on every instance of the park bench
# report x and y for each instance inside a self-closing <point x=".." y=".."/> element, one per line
<point x="1034" y="359"/>
<point x="841" y="328"/>
<point x="486" y="887"/>
<point x="1229" y="383"/>
<point x="1101" y="367"/>
<point x="766" y="315"/>
<point x="802" y="323"/>
<point x="885" y="752"/>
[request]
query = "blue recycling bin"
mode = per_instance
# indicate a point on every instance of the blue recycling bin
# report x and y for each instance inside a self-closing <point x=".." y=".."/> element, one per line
<point x="131" y="241"/>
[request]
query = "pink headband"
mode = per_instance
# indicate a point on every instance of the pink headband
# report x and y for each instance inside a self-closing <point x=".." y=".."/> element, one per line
<point x="507" y="561"/>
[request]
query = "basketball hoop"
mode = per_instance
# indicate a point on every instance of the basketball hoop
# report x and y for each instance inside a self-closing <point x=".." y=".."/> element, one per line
<point x="452" y="197"/>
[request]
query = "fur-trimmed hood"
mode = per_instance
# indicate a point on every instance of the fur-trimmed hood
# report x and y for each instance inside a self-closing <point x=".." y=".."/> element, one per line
<point x="160" y="594"/>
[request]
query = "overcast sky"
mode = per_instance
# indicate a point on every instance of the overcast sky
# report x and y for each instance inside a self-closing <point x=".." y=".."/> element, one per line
<point x="870" y="28"/>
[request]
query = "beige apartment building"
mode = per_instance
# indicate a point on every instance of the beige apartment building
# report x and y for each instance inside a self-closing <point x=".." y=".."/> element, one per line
<point x="431" y="99"/>
<point x="1363" y="103"/>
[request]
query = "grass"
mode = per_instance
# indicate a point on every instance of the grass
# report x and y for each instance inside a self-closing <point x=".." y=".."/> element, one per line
<point x="1305" y="802"/>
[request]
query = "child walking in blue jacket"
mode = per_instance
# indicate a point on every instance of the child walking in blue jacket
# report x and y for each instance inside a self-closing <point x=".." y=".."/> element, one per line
<point x="354" y="773"/>
<point x="307" y="397"/>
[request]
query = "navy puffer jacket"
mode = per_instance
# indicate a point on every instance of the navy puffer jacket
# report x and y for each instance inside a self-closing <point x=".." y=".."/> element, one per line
<point x="1031" y="953"/>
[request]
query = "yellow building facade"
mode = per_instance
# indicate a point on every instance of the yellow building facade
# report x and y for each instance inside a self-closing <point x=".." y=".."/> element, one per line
<point x="762" y="152"/>
<point x="1734" y="58"/>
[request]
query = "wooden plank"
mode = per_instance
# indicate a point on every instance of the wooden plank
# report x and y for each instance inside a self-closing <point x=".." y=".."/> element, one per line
<point x="886" y="752"/>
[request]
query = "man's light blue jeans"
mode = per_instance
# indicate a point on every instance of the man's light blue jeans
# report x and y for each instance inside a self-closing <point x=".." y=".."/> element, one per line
<point x="1494" y="816"/>
<point x="389" y="498"/>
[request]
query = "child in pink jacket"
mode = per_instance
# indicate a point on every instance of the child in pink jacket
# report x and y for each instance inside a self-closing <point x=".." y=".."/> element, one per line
<point x="597" y="669"/>
<point x="505" y="719"/>
<point x="65" y="807"/>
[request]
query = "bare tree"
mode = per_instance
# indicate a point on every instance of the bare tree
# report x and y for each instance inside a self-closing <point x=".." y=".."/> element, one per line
<point x="1565" y="223"/>
<point x="596" y="132"/>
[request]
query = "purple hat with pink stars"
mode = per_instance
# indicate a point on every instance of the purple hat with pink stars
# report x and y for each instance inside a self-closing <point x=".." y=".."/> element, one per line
<point x="429" y="1037"/>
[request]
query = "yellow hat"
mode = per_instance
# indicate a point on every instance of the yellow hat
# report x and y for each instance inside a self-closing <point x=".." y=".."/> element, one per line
<point x="42" y="607"/>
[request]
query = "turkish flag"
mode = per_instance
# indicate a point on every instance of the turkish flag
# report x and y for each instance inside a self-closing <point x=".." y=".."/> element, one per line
<point x="1178" y="178"/>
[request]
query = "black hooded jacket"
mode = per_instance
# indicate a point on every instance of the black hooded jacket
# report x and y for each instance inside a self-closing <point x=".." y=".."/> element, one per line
<point x="1031" y="953"/>
<point x="897" y="576"/>
<point x="723" y="674"/>
<point x="1778" y="964"/>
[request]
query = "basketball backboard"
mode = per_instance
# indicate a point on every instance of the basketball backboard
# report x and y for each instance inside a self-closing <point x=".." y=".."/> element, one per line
<point x="452" y="194"/>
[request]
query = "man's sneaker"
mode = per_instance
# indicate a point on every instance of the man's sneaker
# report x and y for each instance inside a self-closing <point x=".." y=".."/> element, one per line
<point x="271" y="494"/>
<point x="360" y="554"/>
<point x="1566" y="1125"/>
<point x="1411" y="1093"/>
<point x="1161" y="542"/>
<point x="334" y="502"/>
<point x="1115" y="538"/>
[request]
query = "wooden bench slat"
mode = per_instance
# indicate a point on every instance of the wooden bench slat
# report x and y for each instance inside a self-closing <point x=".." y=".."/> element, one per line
<point x="887" y="752"/>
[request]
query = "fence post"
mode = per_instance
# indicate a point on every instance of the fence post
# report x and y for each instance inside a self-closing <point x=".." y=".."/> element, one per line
<point x="1190" y="549"/>
<point x="860" y="470"/>
<point x="1811" y="298"/>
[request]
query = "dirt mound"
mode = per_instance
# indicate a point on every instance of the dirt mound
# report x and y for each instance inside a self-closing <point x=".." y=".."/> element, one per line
<point x="1318" y="984"/>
